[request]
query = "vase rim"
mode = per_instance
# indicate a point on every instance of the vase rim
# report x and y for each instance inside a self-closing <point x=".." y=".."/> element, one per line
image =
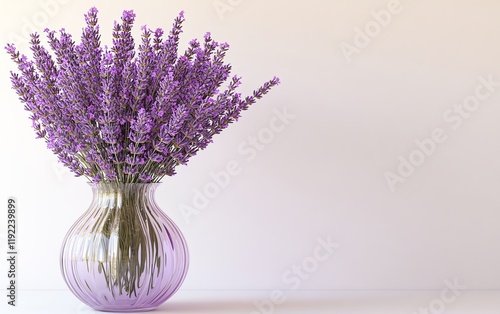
<point x="122" y="183"/>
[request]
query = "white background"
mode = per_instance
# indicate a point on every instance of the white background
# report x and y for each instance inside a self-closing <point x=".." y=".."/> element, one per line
<point x="323" y="175"/>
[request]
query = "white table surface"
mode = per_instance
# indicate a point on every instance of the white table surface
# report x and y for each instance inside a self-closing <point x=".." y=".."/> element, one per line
<point x="303" y="302"/>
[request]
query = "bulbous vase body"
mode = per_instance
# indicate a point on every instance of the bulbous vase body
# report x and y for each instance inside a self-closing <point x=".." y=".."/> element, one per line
<point x="124" y="253"/>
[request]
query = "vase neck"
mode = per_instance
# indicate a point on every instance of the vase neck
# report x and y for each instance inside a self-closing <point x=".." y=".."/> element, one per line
<point x="117" y="192"/>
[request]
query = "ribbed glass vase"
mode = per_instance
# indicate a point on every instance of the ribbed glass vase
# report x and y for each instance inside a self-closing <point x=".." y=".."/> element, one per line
<point x="124" y="253"/>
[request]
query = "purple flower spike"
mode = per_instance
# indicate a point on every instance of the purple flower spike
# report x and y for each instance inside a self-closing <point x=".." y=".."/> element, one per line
<point x="127" y="114"/>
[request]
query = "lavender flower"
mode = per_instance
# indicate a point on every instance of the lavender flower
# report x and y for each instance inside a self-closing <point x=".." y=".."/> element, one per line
<point x="127" y="114"/>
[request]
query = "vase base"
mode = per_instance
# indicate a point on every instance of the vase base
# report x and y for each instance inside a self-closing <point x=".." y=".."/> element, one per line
<point x="125" y="309"/>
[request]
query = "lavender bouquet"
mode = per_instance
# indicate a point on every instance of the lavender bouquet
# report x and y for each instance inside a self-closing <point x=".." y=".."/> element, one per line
<point x="126" y="115"/>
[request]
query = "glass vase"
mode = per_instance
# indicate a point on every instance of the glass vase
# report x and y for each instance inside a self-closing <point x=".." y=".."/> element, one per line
<point x="124" y="253"/>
